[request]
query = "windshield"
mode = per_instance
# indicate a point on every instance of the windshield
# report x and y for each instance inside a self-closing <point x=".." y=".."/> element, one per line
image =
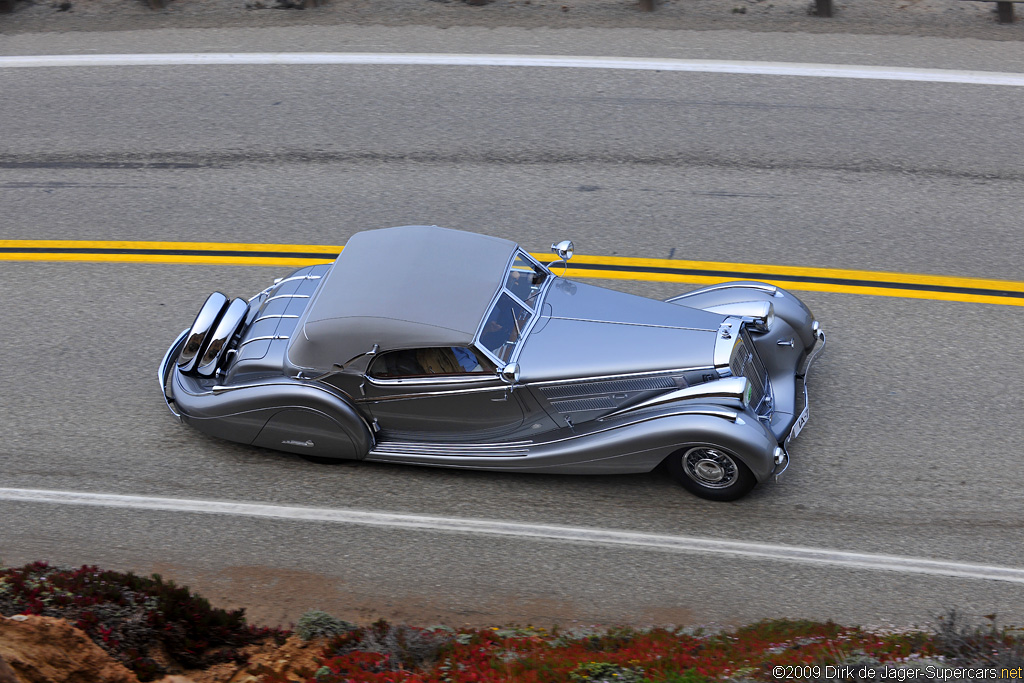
<point x="503" y="326"/>
<point x="517" y="302"/>
<point x="525" y="280"/>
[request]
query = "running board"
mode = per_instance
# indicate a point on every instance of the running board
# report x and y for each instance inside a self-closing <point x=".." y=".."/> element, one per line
<point x="412" y="449"/>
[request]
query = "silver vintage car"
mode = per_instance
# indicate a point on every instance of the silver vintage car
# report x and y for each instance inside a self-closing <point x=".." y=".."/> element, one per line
<point x="429" y="346"/>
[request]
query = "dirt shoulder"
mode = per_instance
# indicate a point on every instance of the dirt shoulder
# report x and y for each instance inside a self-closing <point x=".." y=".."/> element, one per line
<point x="942" y="18"/>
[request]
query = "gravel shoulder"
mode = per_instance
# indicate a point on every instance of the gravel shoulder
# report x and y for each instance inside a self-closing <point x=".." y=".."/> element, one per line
<point x="938" y="18"/>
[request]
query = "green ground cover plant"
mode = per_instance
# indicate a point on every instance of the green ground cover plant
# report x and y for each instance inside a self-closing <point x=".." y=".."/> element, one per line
<point x="132" y="617"/>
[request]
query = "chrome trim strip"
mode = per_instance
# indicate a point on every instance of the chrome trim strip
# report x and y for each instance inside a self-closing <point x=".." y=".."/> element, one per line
<point x="273" y="315"/>
<point x="516" y="449"/>
<point x="280" y="281"/>
<point x="381" y="452"/>
<point x="161" y="372"/>
<point x="772" y="289"/>
<point x="326" y="388"/>
<point x="269" y="337"/>
<point x="819" y="346"/>
<point x="724" y="413"/>
<point x="298" y="277"/>
<point x="730" y="387"/>
<point x="287" y="296"/>
<point x="595" y="378"/>
<point x="454" y="446"/>
<point x="619" y="322"/>
<point x="401" y="397"/>
<point x="428" y="381"/>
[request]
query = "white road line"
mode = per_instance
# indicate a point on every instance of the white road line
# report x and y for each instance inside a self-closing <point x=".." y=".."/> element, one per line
<point x="688" y="544"/>
<point x="887" y="73"/>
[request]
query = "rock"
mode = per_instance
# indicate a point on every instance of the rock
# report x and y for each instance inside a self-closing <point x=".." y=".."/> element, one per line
<point x="47" y="650"/>
<point x="7" y="674"/>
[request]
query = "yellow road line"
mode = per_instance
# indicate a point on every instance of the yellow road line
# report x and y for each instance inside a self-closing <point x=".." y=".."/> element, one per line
<point x="643" y="264"/>
<point x="811" y="286"/>
<point x="167" y="246"/>
<point x="904" y="285"/>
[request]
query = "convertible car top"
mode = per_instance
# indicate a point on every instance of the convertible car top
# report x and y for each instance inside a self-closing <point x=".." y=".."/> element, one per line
<point x="407" y="287"/>
<point x="431" y="346"/>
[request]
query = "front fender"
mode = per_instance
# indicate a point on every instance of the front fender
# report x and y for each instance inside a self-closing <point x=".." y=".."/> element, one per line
<point x="687" y="424"/>
<point x="787" y="306"/>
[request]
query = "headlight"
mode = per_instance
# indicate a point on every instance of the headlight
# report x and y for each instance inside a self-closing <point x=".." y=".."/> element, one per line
<point x="763" y="323"/>
<point x="761" y="313"/>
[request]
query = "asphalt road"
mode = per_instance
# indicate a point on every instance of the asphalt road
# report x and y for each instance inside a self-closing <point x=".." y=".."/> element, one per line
<point x="912" y="449"/>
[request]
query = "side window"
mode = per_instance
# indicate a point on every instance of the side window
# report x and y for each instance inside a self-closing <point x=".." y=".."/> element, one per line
<point x="445" y="360"/>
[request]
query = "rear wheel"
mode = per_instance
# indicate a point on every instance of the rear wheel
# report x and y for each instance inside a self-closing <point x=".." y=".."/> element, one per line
<point x="711" y="472"/>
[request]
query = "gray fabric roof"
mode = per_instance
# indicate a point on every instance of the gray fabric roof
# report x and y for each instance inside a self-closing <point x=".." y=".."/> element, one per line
<point x="408" y="287"/>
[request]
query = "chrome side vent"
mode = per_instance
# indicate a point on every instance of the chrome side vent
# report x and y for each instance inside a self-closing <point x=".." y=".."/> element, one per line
<point x="581" y="405"/>
<point x="583" y="401"/>
<point x="616" y="386"/>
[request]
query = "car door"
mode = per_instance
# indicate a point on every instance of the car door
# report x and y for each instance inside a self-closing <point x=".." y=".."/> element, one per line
<point x="430" y="395"/>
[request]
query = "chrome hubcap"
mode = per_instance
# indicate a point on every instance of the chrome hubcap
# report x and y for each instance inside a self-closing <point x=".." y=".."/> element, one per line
<point x="710" y="467"/>
<point x="709" y="470"/>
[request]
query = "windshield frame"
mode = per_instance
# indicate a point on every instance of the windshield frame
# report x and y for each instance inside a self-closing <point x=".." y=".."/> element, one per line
<point x="534" y="310"/>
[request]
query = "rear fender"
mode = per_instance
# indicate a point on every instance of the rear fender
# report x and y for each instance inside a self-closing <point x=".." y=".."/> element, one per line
<point x="281" y="414"/>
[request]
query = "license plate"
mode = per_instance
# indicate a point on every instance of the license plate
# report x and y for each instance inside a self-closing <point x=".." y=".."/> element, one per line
<point x="800" y="422"/>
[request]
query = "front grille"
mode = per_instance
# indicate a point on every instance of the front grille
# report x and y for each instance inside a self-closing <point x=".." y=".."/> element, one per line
<point x="745" y="363"/>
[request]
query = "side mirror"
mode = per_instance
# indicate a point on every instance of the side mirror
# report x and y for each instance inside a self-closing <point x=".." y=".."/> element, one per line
<point x="510" y="373"/>
<point x="564" y="250"/>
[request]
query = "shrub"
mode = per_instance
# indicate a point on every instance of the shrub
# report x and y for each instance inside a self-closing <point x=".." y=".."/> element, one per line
<point x="319" y="624"/>
<point x="131" y="617"/>
<point x="974" y="645"/>
<point x="605" y="672"/>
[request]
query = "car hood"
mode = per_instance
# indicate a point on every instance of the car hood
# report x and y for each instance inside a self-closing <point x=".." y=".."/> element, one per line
<point x="589" y="331"/>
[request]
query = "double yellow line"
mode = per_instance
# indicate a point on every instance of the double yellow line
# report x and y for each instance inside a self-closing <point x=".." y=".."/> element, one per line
<point x="904" y="285"/>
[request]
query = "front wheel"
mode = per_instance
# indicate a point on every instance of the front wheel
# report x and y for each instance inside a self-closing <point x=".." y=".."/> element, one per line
<point x="711" y="472"/>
